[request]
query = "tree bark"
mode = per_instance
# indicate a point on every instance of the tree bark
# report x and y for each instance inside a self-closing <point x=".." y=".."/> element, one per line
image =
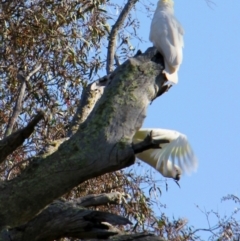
<point x="10" y="143"/>
<point x="70" y="218"/>
<point x="90" y="95"/>
<point x="103" y="143"/>
<point x="101" y="199"/>
<point x="66" y="219"/>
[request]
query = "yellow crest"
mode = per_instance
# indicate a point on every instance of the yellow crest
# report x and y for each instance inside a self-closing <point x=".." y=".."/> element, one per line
<point x="168" y="2"/>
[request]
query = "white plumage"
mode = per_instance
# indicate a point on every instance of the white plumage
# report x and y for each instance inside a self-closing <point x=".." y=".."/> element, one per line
<point x="166" y="34"/>
<point x="163" y="159"/>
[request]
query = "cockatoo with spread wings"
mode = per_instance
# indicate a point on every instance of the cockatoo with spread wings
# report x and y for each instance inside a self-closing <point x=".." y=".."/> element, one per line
<point x="166" y="34"/>
<point x="163" y="159"/>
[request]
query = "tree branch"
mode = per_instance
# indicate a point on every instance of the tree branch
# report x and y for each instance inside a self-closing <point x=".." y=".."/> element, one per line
<point x="51" y="147"/>
<point x="113" y="34"/>
<point x="102" y="144"/>
<point x="100" y="199"/>
<point x="19" y="102"/>
<point x="65" y="219"/>
<point x="16" y="139"/>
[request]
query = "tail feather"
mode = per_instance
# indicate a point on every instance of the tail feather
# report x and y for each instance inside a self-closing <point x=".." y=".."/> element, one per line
<point x="171" y="77"/>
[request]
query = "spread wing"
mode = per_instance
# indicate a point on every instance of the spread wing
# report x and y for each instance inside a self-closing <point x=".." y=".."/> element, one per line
<point x="178" y="150"/>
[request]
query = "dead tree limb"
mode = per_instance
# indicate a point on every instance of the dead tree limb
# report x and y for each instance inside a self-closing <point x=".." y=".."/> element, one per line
<point x="10" y="143"/>
<point x="65" y="219"/>
<point x="103" y="143"/>
<point x="100" y="199"/>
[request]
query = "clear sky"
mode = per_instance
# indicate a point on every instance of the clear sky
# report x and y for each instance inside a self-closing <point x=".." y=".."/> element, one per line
<point x="204" y="105"/>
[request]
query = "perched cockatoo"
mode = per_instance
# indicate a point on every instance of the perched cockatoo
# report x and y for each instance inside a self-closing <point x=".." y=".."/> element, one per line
<point x="166" y="34"/>
<point x="163" y="159"/>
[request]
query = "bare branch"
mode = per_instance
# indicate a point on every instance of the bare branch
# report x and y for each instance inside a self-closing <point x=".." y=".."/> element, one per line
<point x="19" y="102"/>
<point x="100" y="199"/>
<point x="113" y="34"/>
<point x="18" y="107"/>
<point x="65" y="219"/>
<point x="102" y="144"/>
<point x="35" y="70"/>
<point x="16" y="139"/>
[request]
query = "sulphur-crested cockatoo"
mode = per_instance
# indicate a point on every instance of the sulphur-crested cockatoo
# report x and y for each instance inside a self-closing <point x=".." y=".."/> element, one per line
<point x="163" y="159"/>
<point x="166" y="34"/>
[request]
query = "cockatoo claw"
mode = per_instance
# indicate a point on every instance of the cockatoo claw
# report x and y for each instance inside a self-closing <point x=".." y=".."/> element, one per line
<point x="155" y="143"/>
<point x="176" y="181"/>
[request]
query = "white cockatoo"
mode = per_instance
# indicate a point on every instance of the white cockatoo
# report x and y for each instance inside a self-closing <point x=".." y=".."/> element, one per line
<point x="163" y="159"/>
<point x="166" y="34"/>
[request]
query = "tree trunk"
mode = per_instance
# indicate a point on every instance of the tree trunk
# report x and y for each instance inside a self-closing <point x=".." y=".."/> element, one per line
<point x="102" y="143"/>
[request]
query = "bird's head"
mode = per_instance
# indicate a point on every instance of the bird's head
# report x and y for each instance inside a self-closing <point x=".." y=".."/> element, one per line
<point x="168" y="169"/>
<point x="168" y="3"/>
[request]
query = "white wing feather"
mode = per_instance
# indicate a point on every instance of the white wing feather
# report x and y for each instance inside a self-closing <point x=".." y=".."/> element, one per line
<point x="178" y="150"/>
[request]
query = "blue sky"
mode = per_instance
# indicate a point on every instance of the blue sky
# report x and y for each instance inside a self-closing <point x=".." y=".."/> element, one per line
<point x="204" y="105"/>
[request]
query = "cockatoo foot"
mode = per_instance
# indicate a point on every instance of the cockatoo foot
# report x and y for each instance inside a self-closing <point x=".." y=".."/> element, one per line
<point x="156" y="144"/>
<point x="148" y="143"/>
